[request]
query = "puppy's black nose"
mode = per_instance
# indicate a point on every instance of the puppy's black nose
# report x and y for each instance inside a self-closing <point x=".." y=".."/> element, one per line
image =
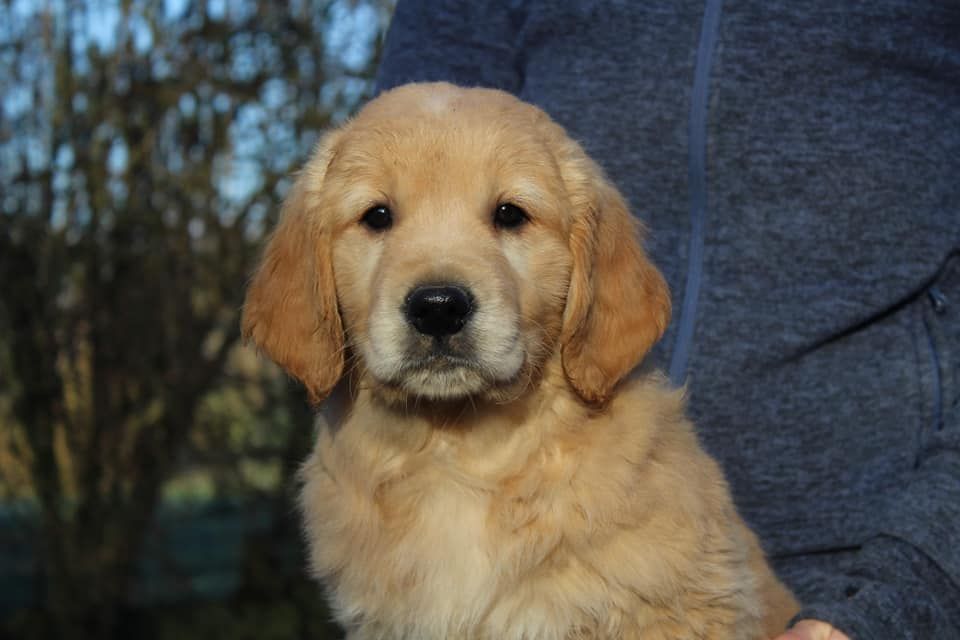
<point x="439" y="310"/>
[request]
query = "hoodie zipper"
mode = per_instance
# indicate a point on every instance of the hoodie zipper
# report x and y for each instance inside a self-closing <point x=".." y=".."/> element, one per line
<point x="697" y="175"/>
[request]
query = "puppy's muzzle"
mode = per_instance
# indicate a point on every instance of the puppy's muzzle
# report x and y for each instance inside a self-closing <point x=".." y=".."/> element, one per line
<point x="438" y="310"/>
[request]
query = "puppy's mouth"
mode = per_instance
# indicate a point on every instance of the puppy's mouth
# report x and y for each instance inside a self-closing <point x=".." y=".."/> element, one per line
<point x="446" y="368"/>
<point x="443" y="373"/>
<point x="441" y="360"/>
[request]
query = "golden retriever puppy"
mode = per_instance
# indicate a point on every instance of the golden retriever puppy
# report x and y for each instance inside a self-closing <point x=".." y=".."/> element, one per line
<point x="468" y="289"/>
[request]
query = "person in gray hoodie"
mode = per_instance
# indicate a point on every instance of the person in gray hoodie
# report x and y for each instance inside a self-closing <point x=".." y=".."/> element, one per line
<point x="798" y="166"/>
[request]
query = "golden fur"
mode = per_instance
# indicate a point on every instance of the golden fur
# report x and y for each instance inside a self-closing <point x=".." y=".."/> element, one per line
<point x="536" y="492"/>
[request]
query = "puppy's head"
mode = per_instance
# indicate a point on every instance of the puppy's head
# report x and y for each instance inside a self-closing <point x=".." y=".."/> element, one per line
<point x="445" y="244"/>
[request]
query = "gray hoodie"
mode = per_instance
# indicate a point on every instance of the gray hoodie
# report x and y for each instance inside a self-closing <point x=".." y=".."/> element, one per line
<point x="798" y="166"/>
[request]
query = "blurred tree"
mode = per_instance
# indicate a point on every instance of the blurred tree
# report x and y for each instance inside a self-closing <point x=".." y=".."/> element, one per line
<point x="143" y="148"/>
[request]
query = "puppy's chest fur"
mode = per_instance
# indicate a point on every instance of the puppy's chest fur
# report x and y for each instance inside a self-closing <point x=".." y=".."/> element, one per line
<point x="429" y="549"/>
<point x="542" y="531"/>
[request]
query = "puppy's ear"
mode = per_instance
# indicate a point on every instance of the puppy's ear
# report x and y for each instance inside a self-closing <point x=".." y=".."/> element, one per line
<point x="618" y="304"/>
<point x="290" y="312"/>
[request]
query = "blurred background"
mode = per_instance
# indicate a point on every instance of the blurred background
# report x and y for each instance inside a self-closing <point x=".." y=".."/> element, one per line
<point x="147" y="458"/>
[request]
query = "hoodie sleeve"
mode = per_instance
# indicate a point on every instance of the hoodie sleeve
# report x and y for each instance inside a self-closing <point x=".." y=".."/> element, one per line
<point x="467" y="42"/>
<point x="905" y="583"/>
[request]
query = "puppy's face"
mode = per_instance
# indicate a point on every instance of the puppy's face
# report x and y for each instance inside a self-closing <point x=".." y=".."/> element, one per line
<point x="451" y="241"/>
<point x="449" y="248"/>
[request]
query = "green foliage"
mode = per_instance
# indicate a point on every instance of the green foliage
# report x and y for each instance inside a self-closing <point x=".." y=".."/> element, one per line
<point x="295" y="612"/>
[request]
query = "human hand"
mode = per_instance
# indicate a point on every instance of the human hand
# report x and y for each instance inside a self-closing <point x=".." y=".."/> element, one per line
<point x="812" y="630"/>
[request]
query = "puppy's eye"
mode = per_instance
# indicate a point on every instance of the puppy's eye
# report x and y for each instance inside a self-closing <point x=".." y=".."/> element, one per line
<point x="378" y="218"/>
<point x="509" y="216"/>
